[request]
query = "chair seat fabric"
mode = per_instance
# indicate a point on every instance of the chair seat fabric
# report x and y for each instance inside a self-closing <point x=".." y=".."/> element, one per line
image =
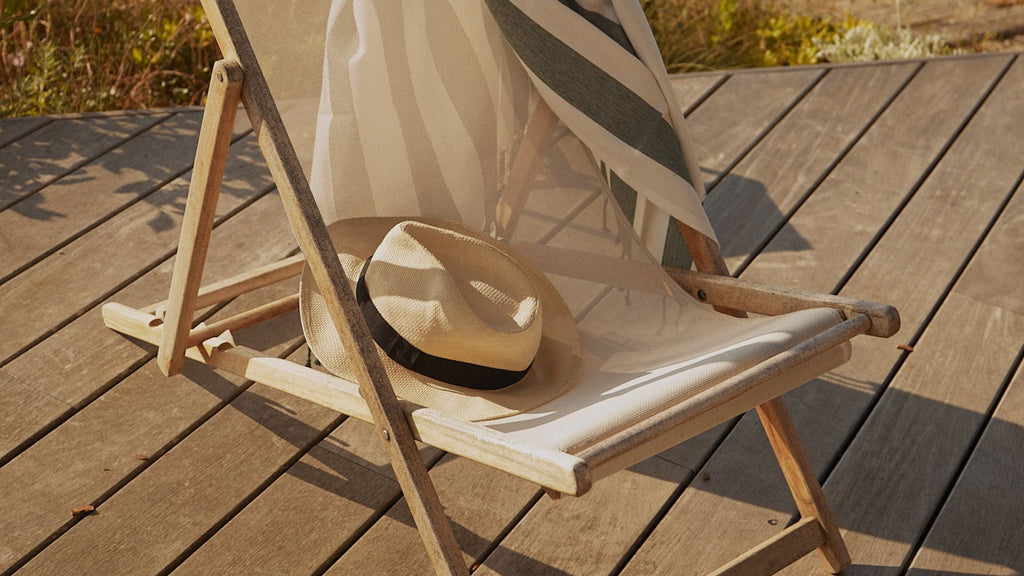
<point x="609" y="399"/>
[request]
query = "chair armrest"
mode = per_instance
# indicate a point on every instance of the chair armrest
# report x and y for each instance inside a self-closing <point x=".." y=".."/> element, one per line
<point x="729" y="292"/>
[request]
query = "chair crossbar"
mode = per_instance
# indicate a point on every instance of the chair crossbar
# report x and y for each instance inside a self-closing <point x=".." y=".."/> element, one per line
<point x="552" y="469"/>
<point x="729" y="292"/>
<point x="664" y="422"/>
<point x="254" y="316"/>
<point x="237" y="285"/>
<point x="777" y="552"/>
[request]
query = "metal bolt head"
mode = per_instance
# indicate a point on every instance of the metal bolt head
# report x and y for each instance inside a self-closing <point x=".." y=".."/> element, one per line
<point x="387" y="435"/>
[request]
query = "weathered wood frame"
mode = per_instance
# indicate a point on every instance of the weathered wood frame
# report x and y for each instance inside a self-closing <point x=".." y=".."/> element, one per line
<point x="168" y="324"/>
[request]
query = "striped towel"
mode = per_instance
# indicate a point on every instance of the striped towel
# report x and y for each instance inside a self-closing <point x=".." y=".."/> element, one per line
<point x="596" y="64"/>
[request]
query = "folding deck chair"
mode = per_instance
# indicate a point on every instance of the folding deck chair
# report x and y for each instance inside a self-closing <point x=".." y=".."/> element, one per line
<point x="539" y="125"/>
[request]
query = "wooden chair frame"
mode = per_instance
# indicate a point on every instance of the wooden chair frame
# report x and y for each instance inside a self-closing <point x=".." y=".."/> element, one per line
<point x="399" y="423"/>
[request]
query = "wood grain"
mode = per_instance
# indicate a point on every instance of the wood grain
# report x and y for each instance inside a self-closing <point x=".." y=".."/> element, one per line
<point x="777" y="552"/>
<point x="85" y="358"/>
<point x="13" y="128"/>
<point x="97" y="263"/>
<point x="91" y="455"/>
<point x="342" y="484"/>
<point x="980" y="526"/>
<point x="690" y="89"/>
<point x="478" y="512"/>
<point x="739" y="111"/>
<point x="32" y="162"/>
<point x="200" y="210"/>
<point x="757" y="195"/>
<point x="921" y="430"/>
<point x="857" y="198"/>
<point x="587" y="535"/>
<point x="740" y="497"/>
<point x="55" y="214"/>
<point x="728" y="123"/>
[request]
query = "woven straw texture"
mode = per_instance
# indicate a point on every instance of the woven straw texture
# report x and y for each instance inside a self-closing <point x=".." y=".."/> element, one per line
<point x="558" y="353"/>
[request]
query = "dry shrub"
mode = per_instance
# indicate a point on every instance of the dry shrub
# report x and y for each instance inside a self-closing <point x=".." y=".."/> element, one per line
<point x="708" y="34"/>
<point x="84" y="55"/>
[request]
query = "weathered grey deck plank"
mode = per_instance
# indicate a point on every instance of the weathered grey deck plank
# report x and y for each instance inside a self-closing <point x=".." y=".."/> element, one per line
<point x="84" y="358"/>
<point x="60" y="147"/>
<point x="739" y="111"/>
<point x="488" y="502"/>
<point x="980" y="526"/>
<point x="691" y="90"/>
<point x="742" y="498"/>
<point x="269" y="499"/>
<point x="901" y="463"/>
<point x="344" y="483"/>
<point x="46" y="220"/>
<point x="100" y="261"/>
<point x="862" y="193"/>
<point x="757" y="196"/>
<point x="146" y="524"/>
<point x="88" y="456"/>
<point x="726" y="125"/>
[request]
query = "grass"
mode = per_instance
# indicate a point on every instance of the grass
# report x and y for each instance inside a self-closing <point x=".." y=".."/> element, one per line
<point x="717" y="34"/>
<point x="62" y="56"/>
<point x="84" y="55"/>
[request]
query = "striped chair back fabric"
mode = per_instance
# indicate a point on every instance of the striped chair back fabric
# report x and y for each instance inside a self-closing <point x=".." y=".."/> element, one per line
<point x="412" y="108"/>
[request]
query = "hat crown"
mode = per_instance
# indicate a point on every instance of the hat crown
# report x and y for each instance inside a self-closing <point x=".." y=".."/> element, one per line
<point x="455" y="296"/>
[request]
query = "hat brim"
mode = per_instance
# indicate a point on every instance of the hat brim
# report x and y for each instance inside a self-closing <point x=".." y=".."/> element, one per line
<point x="555" y="369"/>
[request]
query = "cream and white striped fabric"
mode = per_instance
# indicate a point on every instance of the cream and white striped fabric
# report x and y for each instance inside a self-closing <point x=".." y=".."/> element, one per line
<point x="420" y="108"/>
<point x="597" y="65"/>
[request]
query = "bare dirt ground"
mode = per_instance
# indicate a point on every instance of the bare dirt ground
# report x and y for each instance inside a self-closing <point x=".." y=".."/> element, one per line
<point x="976" y="25"/>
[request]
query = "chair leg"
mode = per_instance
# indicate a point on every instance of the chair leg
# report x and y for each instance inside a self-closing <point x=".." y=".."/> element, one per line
<point x="197" y="224"/>
<point x="435" y="529"/>
<point x="807" y="493"/>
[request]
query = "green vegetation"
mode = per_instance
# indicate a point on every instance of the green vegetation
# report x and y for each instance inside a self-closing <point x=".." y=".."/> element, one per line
<point x="715" y="34"/>
<point x="63" y="56"/>
<point x="83" y="55"/>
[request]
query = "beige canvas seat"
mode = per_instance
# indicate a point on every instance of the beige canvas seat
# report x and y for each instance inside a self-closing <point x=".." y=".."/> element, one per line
<point x="550" y="129"/>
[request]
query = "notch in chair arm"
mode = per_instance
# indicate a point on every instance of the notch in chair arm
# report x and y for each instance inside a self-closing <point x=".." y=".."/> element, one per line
<point x="729" y="292"/>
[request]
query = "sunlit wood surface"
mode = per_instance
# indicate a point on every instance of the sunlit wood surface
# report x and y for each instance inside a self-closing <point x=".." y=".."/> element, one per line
<point x="895" y="182"/>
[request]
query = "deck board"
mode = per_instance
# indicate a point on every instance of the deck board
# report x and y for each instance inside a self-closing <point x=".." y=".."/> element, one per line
<point x="979" y="528"/>
<point x="94" y="265"/>
<point x="727" y="124"/>
<point x="919" y="433"/>
<point x="951" y="210"/>
<point x="749" y="205"/>
<point x="344" y="482"/>
<point x="84" y="359"/>
<point x="12" y="129"/>
<point x="48" y="219"/>
<point x="60" y="147"/>
<point x="907" y="139"/>
<point x="86" y="457"/>
<point x="239" y="479"/>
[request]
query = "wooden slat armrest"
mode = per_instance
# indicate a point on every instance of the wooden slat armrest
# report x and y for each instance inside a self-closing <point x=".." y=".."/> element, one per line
<point x="729" y="292"/>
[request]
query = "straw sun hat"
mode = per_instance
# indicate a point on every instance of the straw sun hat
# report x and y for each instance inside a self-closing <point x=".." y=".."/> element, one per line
<point x="466" y="325"/>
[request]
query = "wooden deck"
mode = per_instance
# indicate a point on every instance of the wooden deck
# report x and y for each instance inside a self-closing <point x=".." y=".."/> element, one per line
<point x="893" y="182"/>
